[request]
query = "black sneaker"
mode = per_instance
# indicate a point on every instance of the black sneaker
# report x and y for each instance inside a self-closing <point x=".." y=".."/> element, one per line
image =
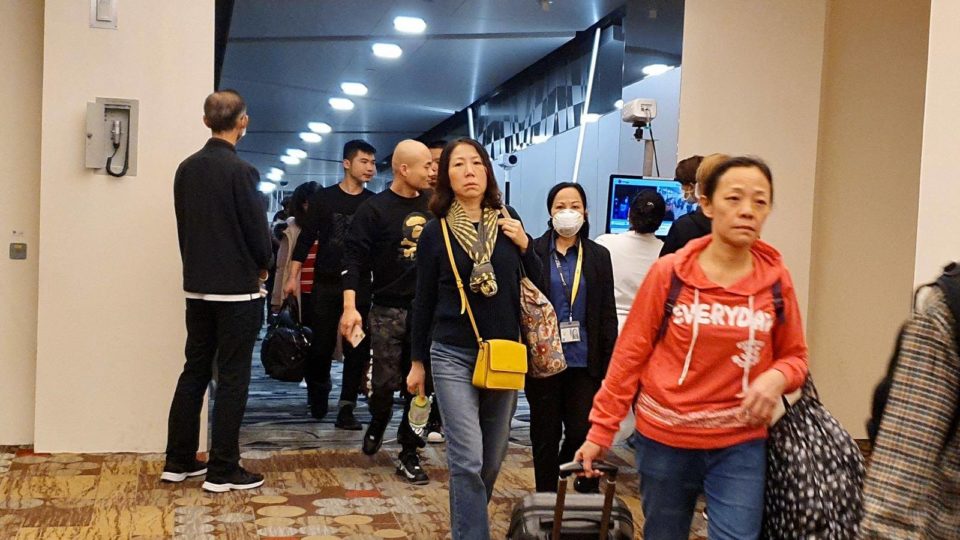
<point x="435" y="433"/>
<point x="373" y="438"/>
<point x="410" y="469"/>
<point x="175" y="472"/>
<point x="238" y="479"/>
<point x="346" y="420"/>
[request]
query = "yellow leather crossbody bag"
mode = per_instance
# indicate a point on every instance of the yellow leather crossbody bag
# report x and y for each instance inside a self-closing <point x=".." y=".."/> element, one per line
<point x="501" y="363"/>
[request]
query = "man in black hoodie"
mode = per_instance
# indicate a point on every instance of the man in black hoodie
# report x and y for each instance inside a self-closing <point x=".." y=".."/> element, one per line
<point x="226" y="249"/>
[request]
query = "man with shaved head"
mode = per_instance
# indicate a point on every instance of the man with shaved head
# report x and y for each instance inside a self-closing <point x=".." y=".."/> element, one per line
<point x="382" y="243"/>
<point x="225" y="248"/>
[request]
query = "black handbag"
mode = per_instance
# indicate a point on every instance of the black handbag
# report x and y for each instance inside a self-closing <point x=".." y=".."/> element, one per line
<point x="815" y="473"/>
<point x="283" y="352"/>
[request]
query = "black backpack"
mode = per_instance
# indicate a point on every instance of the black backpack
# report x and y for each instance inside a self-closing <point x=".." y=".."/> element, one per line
<point x="949" y="284"/>
<point x="284" y="349"/>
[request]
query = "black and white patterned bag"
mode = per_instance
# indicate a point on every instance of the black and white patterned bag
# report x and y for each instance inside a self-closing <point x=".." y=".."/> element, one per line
<point x="815" y="473"/>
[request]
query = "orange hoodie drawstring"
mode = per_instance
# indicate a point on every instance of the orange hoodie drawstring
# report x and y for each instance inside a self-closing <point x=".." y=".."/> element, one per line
<point x="693" y="340"/>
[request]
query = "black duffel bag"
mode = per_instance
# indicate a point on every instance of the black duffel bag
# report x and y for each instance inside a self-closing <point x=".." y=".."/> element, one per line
<point x="283" y="352"/>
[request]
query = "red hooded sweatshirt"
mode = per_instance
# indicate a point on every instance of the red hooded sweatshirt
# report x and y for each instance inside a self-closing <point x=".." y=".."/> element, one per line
<point x="718" y="340"/>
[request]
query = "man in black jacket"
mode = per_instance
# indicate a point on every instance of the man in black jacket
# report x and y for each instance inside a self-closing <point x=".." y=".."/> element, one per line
<point x="226" y="249"/>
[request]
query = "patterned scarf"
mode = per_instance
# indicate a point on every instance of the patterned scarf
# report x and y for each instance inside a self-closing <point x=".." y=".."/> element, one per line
<point x="478" y="243"/>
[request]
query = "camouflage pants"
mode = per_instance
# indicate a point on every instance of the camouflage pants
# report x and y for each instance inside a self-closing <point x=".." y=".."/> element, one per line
<point x="390" y="344"/>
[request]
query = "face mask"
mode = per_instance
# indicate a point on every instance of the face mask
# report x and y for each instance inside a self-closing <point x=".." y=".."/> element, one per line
<point x="567" y="222"/>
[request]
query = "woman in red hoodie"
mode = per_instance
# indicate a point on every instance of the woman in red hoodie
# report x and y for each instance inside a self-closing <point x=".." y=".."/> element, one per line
<point x="704" y="377"/>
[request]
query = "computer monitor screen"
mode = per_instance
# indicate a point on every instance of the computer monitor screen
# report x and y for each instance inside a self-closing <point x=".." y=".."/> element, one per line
<point x="623" y="189"/>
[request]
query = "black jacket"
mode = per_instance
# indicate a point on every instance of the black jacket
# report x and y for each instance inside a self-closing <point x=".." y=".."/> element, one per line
<point x="601" y="304"/>
<point x="689" y="227"/>
<point x="221" y="222"/>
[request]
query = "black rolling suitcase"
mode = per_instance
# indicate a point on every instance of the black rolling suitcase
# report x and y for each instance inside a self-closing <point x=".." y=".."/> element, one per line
<point x="558" y="516"/>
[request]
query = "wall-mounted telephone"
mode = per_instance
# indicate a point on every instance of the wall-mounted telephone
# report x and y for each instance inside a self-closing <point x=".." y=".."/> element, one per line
<point x="111" y="145"/>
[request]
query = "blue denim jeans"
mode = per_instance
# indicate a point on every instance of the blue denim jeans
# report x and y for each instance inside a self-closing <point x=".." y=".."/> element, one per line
<point x="477" y="425"/>
<point x="732" y="480"/>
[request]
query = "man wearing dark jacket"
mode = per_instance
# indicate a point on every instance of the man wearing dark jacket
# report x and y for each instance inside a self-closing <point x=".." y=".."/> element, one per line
<point x="226" y="249"/>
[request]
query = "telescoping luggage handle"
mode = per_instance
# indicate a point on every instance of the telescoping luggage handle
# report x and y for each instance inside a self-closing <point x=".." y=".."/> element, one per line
<point x="609" y="472"/>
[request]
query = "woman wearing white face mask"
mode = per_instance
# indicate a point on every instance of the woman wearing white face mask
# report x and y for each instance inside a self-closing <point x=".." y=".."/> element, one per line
<point x="578" y="280"/>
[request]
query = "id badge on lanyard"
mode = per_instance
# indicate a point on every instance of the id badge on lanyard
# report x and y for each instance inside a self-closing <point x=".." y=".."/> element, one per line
<point x="570" y="329"/>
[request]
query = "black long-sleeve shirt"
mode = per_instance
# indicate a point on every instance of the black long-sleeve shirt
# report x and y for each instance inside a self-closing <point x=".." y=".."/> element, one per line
<point x="383" y="238"/>
<point x="221" y="222"/>
<point x="437" y="303"/>
<point x="689" y="227"/>
<point x="328" y="220"/>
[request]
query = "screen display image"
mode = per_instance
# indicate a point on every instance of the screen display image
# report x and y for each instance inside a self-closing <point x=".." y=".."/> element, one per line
<point x="624" y="188"/>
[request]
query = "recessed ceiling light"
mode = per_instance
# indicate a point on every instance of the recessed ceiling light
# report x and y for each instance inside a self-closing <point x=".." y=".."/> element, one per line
<point x="387" y="50"/>
<point x="537" y="139"/>
<point x="290" y="160"/>
<point x="354" y="88"/>
<point x="656" y="69"/>
<point x="274" y="170"/>
<point x="409" y="25"/>
<point x="266" y="187"/>
<point x="618" y="103"/>
<point x="273" y="176"/>
<point x="341" y="104"/>
<point x="310" y="137"/>
<point x="320" y="127"/>
<point x="297" y="153"/>
<point x="590" y="118"/>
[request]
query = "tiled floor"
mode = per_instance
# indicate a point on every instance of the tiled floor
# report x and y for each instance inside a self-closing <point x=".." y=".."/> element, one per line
<point x="318" y="485"/>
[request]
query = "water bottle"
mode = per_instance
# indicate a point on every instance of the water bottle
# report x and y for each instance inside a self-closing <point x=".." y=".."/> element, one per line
<point x="419" y="414"/>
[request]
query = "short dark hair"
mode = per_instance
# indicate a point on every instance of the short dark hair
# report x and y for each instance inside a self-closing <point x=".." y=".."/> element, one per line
<point x="686" y="171"/>
<point x="223" y="110"/>
<point x="352" y="148"/>
<point x="710" y="184"/>
<point x="443" y="192"/>
<point x="439" y="143"/>
<point x="304" y="193"/>
<point x="647" y="211"/>
<point x="552" y="194"/>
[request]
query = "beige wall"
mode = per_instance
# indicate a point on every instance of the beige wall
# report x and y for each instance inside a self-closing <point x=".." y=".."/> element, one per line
<point x="939" y="219"/>
<point x="110" y="327"/>
<point x="868" y="172"/>
<point x="751" y="85"/>
<point x="21" y="54"/>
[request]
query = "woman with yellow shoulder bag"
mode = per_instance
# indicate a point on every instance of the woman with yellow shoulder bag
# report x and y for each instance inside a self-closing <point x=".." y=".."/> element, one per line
<point x="467" y="315"/>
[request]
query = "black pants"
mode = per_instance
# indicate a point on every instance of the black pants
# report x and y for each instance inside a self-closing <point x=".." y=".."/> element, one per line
<point x="559" y="408"/>
<point x="390" y="340"/>
<point x="322" y="314"/>
<point x="226" y="331"/>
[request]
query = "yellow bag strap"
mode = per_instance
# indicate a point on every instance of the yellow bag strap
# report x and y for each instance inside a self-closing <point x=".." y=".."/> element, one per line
<point x="464" y="303"/>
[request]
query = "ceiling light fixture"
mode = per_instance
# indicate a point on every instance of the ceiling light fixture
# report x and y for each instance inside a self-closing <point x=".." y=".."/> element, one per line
<point x="266" y="187"/>
<point x="320" y="127"/>
<point x="656" y="69"/>
<point x="290" y="160"/>
<point x="618" y="104"/>
<point x="409" y="25"/>
<point x="341" y="104"/>
<point x="590" y="118"/>
<point x="297" y="153"/>
<point x="310" y="137"/>
<point x="387" y="50"/>
<point x="274" y="170"/>
<point x="274" y="177"/>
<point x="354" y="88"/>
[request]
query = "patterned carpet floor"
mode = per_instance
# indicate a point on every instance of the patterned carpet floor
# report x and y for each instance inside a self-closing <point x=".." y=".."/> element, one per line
<point x="318" y="485"/>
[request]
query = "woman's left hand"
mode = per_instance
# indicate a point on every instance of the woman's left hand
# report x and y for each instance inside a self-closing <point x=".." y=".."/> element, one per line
<point x="513" y="228"/>
<point x="760" y="399"/>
